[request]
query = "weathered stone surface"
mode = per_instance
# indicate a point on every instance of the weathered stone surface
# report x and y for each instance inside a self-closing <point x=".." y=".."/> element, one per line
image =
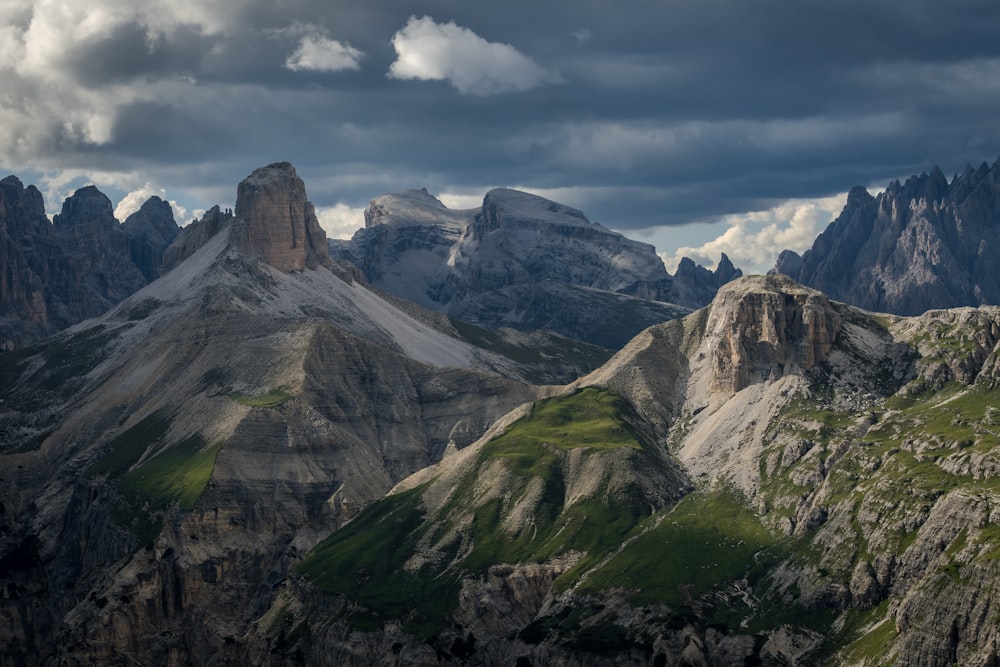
<point x="923" y="244"/>
<point x="279" y="224"/>
<point x="195" y="236"/>
<point x="763" y="324"/>
<point x="524" y="262"/>
<point x="53" y="275"/>
<point x="691" y="285"/>
<point x="150" y="231"/>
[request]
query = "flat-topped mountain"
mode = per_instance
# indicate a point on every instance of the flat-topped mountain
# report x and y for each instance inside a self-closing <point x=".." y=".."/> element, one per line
<point x="521" y="261"/>
<point x="926" y="243"/>
<point x="278" y="223"/>
<point x="55" y="274"/>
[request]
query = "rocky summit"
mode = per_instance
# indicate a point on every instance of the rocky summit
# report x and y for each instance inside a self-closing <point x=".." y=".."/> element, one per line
<point x="56" y="274"/>
<point x="278" y="224"/>
<point x="926" y="243"/>
<point x="525" y="262"/>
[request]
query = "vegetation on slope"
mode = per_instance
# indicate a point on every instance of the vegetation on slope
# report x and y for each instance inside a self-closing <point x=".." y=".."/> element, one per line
<point x="271" y="399"/>
<point x="365" y="560"/>
<point x="180" y="473"/>
<point x="852" y="484"/>
<point x="707" y="540"/>
<point x="177" y="473"/>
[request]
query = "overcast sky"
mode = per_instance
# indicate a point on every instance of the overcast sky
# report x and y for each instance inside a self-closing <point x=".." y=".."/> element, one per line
<point x="702" y="126"/>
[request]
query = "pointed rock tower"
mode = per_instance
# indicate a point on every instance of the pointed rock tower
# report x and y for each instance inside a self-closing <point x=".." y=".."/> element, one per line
<point x="279" y="224"/>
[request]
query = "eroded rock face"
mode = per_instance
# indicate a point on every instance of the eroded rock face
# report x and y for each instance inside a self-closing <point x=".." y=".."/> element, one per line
<point x="150" y="231"/>
<point x="55" y="274"/>
<point x="195" y="236"/>
<point x="763" y="324"/>
<point x="280" y="224"/>
<point x="922" y="244"/>
<point x="524" y="262"/>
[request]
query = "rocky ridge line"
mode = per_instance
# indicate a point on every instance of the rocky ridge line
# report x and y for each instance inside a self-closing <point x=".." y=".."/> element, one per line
<point x="926" y="243"/>
<point x="55" y="274"/>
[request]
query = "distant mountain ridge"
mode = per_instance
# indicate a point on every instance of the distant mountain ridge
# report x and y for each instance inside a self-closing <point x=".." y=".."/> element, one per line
<point x="55" y="274"/>
<point x="525" y="262"/>
<point x="922" y="244"/>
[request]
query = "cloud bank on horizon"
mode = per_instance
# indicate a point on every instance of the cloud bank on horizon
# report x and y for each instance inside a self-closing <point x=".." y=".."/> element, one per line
<point x="728" y="125"/>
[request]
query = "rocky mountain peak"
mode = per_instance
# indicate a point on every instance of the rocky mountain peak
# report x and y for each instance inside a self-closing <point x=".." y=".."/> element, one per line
<point x="15" y="195"/>
<point x="725" y="271"/>
<point x="155" y="217"/>
<point x="921" y="244"/>
<point x="150" y="230"/>
<point x="408" y="208"/>
<point x="501" y="205"/>
<point x="858" y="196"/>
<point x="86" y="205"/>
<point x="279" y="223"/>
<point x="759" y="325"/>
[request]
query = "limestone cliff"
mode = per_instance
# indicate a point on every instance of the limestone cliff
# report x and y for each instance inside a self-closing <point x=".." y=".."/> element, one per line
<point x="926" y="243"/>
<point x="525" y="262"/>
<point x="278" y="224"/>
<point x="762" y="325"/>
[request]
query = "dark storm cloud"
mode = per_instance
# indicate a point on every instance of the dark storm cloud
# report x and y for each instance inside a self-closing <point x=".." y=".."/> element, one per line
<point x="655" y="113"/>
<point x="130" y="52"/>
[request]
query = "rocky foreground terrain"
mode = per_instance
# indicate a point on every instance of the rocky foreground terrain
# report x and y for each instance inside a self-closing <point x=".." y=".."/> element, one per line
<point x="259" y="459"/>
<point x="775" y="479"/>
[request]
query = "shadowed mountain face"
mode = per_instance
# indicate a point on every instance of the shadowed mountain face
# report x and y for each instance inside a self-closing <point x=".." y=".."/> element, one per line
<point x="923" y="244"/>
<point x="525" y="262"/>
<point x="164" y="464"/>
<point x="55" y="274"/>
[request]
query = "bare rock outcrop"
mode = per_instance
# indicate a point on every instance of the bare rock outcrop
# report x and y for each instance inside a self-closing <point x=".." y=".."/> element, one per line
<point x="279" y="224"/>
<point x="760" y="325"/>
<point x="55" y="274"/>
<point x="195" y="236"/>
<point x="926" y="243"/>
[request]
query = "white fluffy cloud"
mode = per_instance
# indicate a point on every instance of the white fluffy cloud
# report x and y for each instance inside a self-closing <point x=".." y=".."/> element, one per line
<point x="317" y="52"/>
<point x="44" y="106"/>
<point x="341" y="221"/>
<point x="431" y="51"/>
<point x="754" y="240"/>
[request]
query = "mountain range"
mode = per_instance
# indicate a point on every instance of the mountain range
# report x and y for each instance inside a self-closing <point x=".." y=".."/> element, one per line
<point x="55" y="274"/>
<point x="266" y="456"/>
<point x="525" y="262"/>
<point x="927" y="243"/>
